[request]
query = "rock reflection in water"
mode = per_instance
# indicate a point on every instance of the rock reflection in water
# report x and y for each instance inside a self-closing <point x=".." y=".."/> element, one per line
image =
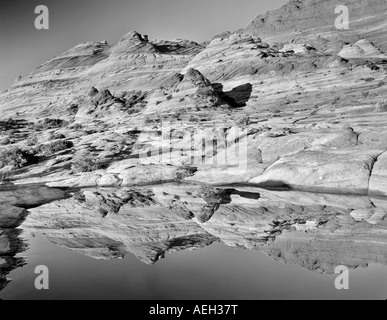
<point x="315" y="231"/>
<point x="10" y="245"/>
<point x="14" y="202"/>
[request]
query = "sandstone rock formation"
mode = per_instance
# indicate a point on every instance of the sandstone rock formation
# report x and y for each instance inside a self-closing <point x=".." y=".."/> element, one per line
<point x="315" y="20"/>
<point x="247" y="123"/>
<point x="315" y="231"/>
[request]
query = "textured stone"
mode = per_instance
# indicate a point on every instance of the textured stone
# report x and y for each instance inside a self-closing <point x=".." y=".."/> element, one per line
<point x="329" y="170"/>
<point x="378" y="180"/>
<point x="152" y="221"/>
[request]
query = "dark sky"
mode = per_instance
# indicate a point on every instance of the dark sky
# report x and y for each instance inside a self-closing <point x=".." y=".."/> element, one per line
<point x="23" y="48"/>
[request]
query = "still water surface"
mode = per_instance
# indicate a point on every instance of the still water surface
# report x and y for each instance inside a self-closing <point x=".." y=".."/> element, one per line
<point x="214" y="272"/>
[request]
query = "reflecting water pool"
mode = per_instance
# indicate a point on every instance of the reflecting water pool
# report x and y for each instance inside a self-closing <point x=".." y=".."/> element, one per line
<point x="214" y="272"/>
<point x="191" y="242"/>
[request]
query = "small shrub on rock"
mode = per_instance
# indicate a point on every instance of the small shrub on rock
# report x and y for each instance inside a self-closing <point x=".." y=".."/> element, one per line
<point x="8" y="125"/>
<point x="50" y="124"/>
<point x="56" y="136"/>
<point x="185" y="172"/>
<point x="243" y="121"/>
<point x="5" y="177"/>
<point x="86" y="163"/>
<point x="73" y="109"/>
<point x="54" y="147"/>
<point x="17" y="157"/>
<point x="5" y="141"/>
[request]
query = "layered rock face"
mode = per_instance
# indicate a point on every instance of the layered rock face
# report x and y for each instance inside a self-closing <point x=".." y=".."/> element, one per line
<point x="315" y="231"/>
<point x="134" y="63"/>
<point x="314" y="20"/>
<point x="143" y="106"/>
<point x="269" y="107"/>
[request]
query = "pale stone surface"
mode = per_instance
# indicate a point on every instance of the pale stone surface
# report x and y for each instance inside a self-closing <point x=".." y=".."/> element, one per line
<point x="315" y="21"/>
<point x="209" y="96"/>
<point x="378" y="181"/>
<point x="361" y="49"/>
<point x="342" y="171"/>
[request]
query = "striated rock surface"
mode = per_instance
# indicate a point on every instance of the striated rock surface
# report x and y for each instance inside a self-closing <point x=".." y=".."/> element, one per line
<point x="344" y="171"/>
<point x="238" y="110"/>
<point x="315" y="231"/>
<point x="315" y="20"/>
<point x="379" y="173"/>
<point x="133" y="63"/>
<point x="363" y="49"/>
<point x="289" y="104"/>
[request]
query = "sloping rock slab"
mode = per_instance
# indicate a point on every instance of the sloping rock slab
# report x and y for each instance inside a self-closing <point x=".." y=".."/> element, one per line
<point x="378" y="181"/>
<point x="332" y="170"/>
